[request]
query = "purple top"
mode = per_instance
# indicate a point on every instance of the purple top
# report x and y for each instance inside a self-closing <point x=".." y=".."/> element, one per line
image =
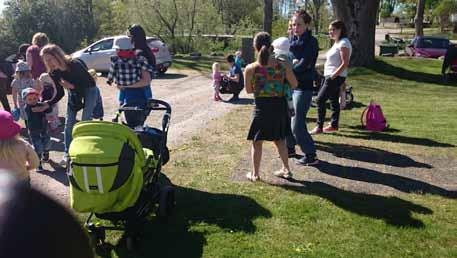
<point x="217" y="77"/>
<point x="38" y="66"/>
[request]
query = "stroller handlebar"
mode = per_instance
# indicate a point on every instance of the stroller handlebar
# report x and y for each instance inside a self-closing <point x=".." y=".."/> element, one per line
<point x="153" y="104"/>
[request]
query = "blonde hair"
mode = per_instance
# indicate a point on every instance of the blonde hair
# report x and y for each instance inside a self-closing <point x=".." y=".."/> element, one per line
<point x="40" y="39"/>
<point x="8" y="147"/>
<point x="216" y="67"/>
<point x="56" y="52"/>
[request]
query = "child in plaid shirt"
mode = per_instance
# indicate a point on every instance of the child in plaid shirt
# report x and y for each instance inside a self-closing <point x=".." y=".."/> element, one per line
<point x="126" y="70"/>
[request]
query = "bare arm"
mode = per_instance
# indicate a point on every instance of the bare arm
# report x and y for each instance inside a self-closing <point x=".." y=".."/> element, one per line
<point x="235" y="78"/>
<point x="145" y="80"/>
<point x="14" y="93"/>
<point x="344" y="53"/>
<point x="29" y="58"/>
<point x="248" y="73"/>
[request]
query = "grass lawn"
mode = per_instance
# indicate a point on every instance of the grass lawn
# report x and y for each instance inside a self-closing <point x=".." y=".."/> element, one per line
<point x="202" y="64"/>
<point x="219" y="216"/>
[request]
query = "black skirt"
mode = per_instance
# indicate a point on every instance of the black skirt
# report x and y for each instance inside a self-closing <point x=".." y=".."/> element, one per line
<point x="270" y="120"/>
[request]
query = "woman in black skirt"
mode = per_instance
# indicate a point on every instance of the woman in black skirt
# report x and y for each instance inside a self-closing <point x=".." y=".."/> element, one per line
<point x="265" y="79"/>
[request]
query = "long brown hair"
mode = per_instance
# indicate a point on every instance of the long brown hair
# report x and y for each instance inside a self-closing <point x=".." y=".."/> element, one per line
<point x="262" y="44"/>
<point x="57" y="53"/>
<point x="339" y="25"/>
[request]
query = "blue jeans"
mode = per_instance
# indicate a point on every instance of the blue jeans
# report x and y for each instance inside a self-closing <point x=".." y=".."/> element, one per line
<point x="99" y="111"/>
<point x="302" y="102"/>
<point x="90" y="100"/>
<point x="40" y="140"/>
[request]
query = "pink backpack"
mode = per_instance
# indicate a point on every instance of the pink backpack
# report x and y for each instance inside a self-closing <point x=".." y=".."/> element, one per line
<point x="373" y="119"/>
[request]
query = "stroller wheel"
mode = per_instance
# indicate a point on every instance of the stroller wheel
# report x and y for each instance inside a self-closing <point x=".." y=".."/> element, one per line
<point x="97" y="235"/>
<point x="166" y="202"/>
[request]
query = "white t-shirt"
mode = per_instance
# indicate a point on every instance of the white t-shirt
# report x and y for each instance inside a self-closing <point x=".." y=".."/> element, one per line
<point x="334" y="57"/>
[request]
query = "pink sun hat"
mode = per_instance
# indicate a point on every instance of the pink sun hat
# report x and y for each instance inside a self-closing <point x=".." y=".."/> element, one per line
<point x="8" y="128"/>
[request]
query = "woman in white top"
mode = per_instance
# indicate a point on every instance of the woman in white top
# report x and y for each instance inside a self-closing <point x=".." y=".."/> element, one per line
<point x="335" y="73"/>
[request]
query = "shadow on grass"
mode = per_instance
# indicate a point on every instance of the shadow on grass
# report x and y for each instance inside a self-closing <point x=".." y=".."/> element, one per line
<point x="380" y="136"/>
<point x="353" y="105"/>
<point x="171" y="76"/>
<point x="184" y="234"/>
<point x="393" y="210"/>
<point x="385" y="68"/>
<point x="403" y="184"/>
<point x="370" y="155"/>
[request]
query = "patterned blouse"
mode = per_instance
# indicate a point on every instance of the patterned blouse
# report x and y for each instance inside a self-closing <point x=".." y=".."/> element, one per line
<point x="269" y="81"/>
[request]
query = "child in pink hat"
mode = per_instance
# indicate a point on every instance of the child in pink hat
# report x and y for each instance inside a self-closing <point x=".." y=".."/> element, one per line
<point x="15" y="153"/>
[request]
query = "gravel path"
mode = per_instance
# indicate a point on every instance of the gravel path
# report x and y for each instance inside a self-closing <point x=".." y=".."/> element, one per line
<point x="190" y="96"/>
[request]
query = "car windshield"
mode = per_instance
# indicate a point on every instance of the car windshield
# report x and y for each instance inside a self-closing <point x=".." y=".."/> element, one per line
<point x="433" y="43"/>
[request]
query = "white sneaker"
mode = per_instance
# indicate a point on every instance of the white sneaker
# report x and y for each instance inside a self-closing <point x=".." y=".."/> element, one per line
<point x="284" y="173"/>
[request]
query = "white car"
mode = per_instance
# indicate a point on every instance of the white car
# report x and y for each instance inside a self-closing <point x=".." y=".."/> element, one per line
<point x="97" y="55"/>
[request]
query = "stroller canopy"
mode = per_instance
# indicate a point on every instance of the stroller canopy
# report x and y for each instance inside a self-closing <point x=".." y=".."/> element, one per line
<point x="106" y="167"/>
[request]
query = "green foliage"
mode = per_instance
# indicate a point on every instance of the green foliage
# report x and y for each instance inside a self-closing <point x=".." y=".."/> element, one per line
<point x="113" y="17"/>
<point x="280" y="27"/>
<point x="67" y="23"/>
<point x="445" y="7"/>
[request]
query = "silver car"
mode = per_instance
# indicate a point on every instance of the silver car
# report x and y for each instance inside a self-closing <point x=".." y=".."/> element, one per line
<point x="97" y="55"/>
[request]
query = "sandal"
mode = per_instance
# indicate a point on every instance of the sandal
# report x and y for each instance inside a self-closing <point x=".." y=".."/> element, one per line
<point x="252" y="178"/>
<point x="284" y="173"/>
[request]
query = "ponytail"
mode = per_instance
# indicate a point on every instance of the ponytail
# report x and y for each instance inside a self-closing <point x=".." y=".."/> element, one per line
<point x="262" y="44"/>
<point x="263" y="55"/>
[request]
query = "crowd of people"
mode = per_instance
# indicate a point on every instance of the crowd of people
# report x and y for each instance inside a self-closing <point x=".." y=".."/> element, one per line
<point x="282" y="82"/>
<point x="43" y="73"/>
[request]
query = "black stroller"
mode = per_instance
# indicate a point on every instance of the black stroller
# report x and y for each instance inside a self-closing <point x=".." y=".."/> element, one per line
<point x="136" y="175"/>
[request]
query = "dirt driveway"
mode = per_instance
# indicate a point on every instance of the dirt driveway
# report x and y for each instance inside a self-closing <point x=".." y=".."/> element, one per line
<point x="190" y="95"/>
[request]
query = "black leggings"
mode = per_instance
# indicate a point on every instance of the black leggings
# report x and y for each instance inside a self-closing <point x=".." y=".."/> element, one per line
<point x="330" y="90"/>
<point x="3" y="92"/>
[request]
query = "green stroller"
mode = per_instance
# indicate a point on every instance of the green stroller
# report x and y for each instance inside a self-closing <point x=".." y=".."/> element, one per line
<point x="115" y="174"/>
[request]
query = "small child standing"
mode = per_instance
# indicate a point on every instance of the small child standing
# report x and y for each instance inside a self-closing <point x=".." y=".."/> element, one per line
<point x="217" y="77"/>
<point x="23" y="80"/>
<point x="281" y="52"/>
<point x="48" y="93"/>
<point x="15" y="153"/>
<point x="37" y="125"/>
<point x="125" y="70"/>
<point x="239" y="61"/>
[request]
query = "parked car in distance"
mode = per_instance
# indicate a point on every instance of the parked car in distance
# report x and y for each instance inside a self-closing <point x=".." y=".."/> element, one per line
<point x="431" y="47"/>
<point x="97" y="55"/>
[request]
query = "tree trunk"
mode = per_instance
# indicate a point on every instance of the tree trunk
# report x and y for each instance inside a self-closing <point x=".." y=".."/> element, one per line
<point x="419" y="19"/>
<point x="268" y="16"/>
<point x="317" y="4"/>
<point x="360" y="19"/>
